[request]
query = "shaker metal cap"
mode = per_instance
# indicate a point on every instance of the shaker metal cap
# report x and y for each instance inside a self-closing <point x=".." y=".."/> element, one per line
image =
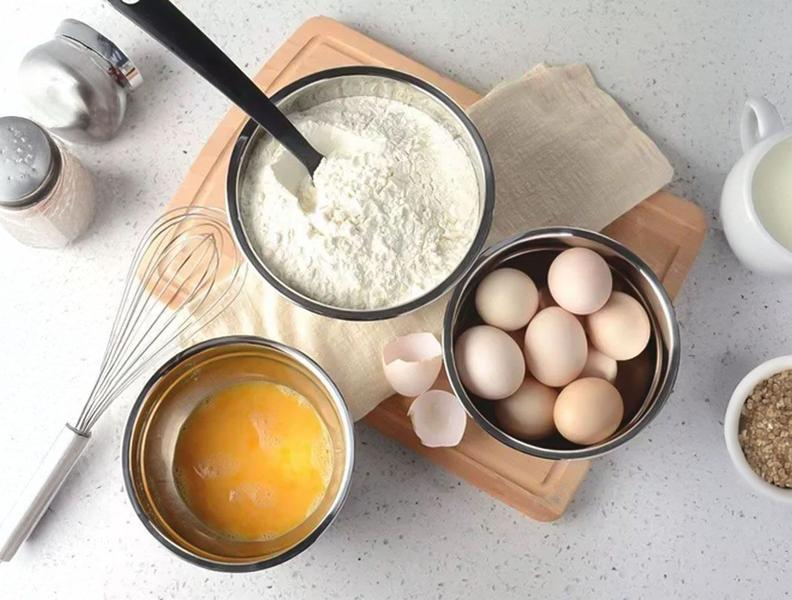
<point x="28" y="162"/>
<point x="120" y="65"/>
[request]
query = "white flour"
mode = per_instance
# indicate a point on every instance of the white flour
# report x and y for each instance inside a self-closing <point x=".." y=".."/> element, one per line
<point x="392" y="213"/>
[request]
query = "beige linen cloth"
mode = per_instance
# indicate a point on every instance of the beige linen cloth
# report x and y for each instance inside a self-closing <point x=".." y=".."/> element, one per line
<point x="564" y="153"/>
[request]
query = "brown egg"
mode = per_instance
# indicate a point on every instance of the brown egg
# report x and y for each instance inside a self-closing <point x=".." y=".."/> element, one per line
<point x="528" y="413"/>
<point x="555" y="347"/>
<point x="546" y="299"/>
<point x="489" y="362"/>
<point x="621" y="328"/>
<point x="588" y="411"/>
<point x="507" y="299"/>
<point x="518" y="335"/>
<point x="580" y="281"/>
<point x="599" y="365"/>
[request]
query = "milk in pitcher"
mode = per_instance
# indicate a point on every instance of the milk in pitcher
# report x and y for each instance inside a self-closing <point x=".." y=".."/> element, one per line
<point x="772" y="192"/>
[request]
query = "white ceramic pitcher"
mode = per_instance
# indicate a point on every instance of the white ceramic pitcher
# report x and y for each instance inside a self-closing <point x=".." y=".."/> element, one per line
<point x="760" y="130"/>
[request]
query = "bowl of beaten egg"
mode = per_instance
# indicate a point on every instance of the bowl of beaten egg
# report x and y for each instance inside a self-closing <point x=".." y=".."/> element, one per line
<point x="238" y="453"/>
<point x="561" y="343"/>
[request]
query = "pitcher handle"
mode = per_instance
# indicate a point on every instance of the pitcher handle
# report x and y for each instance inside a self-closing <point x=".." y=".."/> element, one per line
<point x="759" y="120"/>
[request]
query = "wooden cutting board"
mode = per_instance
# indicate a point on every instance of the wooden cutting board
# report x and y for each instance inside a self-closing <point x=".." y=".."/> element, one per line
<point x="664" y="230"/>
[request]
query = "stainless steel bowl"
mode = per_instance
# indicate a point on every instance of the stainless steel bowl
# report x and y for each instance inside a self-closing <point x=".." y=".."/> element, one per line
<point x="645" y="382"/>
<point x="162" y="408"/>
<point x="360" y="81"/>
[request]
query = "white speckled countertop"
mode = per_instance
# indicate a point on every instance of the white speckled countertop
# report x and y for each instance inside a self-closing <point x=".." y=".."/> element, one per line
<point x="664" y="517"/>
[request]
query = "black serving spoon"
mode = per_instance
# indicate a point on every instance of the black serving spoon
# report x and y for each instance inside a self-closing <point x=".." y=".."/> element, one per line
<point x="166" y="24"/>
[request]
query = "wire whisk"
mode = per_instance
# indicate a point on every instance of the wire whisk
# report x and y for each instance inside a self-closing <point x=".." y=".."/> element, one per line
<point x="185" y="272"/>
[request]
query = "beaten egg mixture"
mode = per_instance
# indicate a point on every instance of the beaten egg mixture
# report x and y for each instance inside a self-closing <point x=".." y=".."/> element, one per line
<point x="253" y="461"/>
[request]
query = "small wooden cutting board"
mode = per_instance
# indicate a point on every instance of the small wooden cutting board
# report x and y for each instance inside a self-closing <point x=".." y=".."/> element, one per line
<point x="666" y="231"/>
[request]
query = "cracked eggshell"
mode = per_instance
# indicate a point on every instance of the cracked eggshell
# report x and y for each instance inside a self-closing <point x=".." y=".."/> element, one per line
<point x="438" y="419"/>
<point x="412" y="363"/>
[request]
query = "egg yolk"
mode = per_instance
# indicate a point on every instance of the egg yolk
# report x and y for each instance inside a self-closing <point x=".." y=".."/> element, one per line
<point x="253" y="461"/>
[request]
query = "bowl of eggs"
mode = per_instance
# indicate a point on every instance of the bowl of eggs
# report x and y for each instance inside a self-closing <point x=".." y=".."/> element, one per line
<point x="561" y="343"/>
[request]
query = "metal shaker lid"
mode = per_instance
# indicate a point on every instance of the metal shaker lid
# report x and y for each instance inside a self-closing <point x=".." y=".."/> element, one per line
<point x="29" y="162"/>
<point x="119" y="64"/>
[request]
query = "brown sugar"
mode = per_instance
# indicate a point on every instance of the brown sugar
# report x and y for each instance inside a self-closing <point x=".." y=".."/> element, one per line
<point x="766" y="429"/>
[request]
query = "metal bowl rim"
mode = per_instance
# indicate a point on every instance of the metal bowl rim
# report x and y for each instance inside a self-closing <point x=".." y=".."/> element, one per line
<point x="662" y="394"/>
<point x="346" y="423"/>
<point x="348" y="314"/>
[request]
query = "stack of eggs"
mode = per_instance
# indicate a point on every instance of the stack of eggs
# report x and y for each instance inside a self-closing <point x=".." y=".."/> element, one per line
<point x="569" y="338"/>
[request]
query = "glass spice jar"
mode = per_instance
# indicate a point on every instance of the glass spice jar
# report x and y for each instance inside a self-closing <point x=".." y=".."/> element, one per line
<point x="47" y="197"/>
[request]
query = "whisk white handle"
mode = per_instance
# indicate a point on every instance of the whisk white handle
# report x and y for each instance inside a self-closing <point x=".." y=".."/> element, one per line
<point x="40" y="490"/>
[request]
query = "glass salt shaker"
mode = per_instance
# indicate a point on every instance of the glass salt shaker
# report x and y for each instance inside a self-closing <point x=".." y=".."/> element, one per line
<point x="47" y="197"/>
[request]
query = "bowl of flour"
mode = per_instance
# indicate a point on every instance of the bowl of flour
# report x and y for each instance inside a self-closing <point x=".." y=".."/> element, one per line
<point x="396" y="212"/>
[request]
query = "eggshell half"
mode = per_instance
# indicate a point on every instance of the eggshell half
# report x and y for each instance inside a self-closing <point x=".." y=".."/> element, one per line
<point x="555" y="347"/>
<point x="412" y="363"/>
<point x="621" y="328"/>
<point x="438" y="419"/>
<point x="580" y="281"/>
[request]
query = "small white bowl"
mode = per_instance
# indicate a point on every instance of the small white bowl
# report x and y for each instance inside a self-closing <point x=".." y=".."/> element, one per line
<point x="731" y="427"/>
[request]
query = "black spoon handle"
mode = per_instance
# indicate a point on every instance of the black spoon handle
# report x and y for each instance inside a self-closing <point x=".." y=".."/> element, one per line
<point x="165" y="23"/>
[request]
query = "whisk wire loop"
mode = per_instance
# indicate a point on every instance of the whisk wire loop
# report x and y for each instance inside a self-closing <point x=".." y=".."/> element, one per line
<point x="176" y="284"/>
